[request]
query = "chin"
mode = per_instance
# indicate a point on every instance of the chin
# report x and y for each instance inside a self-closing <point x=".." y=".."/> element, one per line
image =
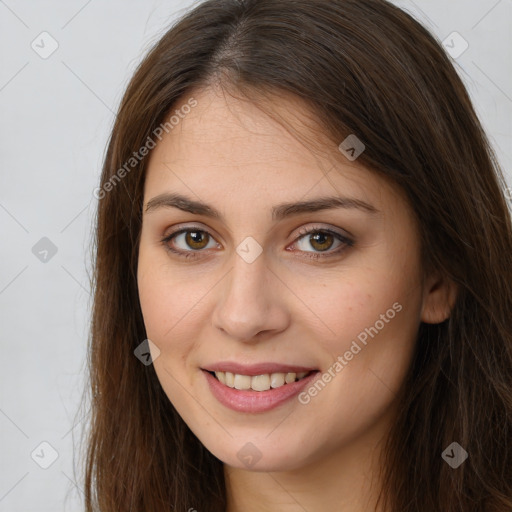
<point x="253" y="454"/>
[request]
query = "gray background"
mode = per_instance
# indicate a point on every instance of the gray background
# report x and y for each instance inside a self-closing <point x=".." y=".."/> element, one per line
<point x="56" y="114"/>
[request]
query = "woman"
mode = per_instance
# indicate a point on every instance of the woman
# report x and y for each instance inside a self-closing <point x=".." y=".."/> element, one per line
<point x="302" y="281"/>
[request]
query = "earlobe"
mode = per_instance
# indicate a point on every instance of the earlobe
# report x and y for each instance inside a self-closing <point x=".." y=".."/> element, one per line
<point x="439" y="299"/>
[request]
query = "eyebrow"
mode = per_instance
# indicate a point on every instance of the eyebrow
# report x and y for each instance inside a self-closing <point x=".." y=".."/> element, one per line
<point x="279" y="212"/>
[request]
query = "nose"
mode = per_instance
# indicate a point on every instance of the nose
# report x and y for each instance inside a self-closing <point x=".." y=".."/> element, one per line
<point x="251" y="302"/>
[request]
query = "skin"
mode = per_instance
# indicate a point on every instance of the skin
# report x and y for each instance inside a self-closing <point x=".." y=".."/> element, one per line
<point x="283" y="307"/>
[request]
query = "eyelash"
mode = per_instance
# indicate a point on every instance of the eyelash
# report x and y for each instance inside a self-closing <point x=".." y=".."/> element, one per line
<point x="346" y="242"/>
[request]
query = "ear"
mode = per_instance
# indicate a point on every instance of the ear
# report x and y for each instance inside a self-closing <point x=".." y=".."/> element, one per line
<point x="439" y="298"/>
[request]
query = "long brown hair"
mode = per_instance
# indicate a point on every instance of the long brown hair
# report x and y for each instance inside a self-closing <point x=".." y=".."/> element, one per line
<point x="364" y="67"/>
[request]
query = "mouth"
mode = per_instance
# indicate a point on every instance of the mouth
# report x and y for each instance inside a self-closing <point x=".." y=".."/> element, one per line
<point x="263" y="382"/>
<point x="259" y="392"/>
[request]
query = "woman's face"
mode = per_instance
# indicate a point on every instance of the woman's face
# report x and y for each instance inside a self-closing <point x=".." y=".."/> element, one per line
<point x="278" y="289"/>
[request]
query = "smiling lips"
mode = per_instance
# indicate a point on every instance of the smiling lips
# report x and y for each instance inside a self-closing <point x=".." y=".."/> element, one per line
<point x="258" y="377"/>
<point x="258" y="382"/>
<point x="256" y="388"/>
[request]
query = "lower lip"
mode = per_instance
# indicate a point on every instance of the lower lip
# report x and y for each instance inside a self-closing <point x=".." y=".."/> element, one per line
<point x="255" y="401"/>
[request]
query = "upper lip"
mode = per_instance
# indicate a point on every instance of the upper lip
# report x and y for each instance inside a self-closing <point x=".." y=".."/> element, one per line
<point x="255" y="369"/>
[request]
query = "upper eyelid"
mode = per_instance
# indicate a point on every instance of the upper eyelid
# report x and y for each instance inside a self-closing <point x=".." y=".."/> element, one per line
<point x="307" y="230"/>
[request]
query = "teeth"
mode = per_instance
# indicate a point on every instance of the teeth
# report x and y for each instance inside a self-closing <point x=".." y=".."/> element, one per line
<point x="258" y="382"/>
<point x="229" y="380"/>
<point x="277" y="380"/>
<point x="242" y="381"/>
<point x="290" y="377"/>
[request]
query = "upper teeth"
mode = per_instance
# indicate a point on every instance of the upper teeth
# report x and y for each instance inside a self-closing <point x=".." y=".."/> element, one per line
<point x="258" y="382"/>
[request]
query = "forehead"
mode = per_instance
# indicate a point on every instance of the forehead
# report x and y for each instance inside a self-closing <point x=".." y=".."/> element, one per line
<point x="228" y="148"/>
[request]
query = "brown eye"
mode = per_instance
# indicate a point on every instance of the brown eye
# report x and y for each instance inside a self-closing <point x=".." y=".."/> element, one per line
<point x="187" y="242"/>
<point x="196" y="239"/>
<point x="190" y="242"/>
<point x="321" y="241"/>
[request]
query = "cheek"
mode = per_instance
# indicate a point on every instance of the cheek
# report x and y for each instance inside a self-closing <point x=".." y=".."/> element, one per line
<point x="158" y="294"/>
<point x="344" y="305"/>
<point x="370" y="320"/>
<point x="158" y="299"/>
<point x="170" y="319"/>
<point x="154" y="301"/>
<point x="172" y="304"/>
<point x="352" y="298"/>
<point x="375" y="326"/>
